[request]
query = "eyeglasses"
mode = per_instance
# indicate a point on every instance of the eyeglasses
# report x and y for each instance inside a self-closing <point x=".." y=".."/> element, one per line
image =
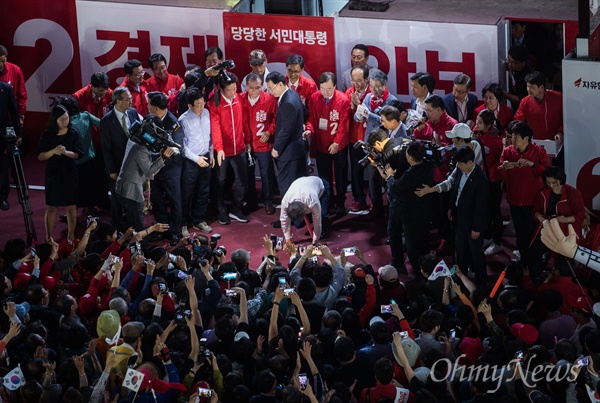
<point x="270" y="89"/>
<point x="456" y="91"/>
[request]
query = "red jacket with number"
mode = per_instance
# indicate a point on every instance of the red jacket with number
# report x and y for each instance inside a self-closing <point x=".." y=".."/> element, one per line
<point x="545" y="117"/>
<point x="259" y="118"/>
<point x="335" y="114"/>
<point x="227" y="125"/>
<point x="523" y="184"/>
<point x="13" y="75"/>
<point x="436" y="131"/>
<point x="306" y="87"/>
<point x="139" y="101"/>
<point x="168" y="86"/>
<point x="96" y="106"/>
<point x="357" y="129"/>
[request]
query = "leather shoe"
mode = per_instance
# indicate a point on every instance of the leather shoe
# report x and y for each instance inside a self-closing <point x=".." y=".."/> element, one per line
<point x="269" y="209"/>
<point x="5" y="205"/>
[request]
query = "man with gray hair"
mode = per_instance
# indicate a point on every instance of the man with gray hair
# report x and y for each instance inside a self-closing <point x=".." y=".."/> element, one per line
<point x="241" y="259"/>
<point x="114" y="133"/>
<point x="368" y="112"/>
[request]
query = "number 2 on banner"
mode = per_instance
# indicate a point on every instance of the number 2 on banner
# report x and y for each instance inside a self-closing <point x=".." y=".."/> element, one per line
<point x="334" y="126"/>
<point x="261" y="129"/>
<point x="59" y="59"/>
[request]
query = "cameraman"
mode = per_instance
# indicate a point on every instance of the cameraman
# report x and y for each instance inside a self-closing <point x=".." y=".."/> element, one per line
<point x="139" y="164"/>
<point x="9" y="117"/>
<point x="392" y="156"/>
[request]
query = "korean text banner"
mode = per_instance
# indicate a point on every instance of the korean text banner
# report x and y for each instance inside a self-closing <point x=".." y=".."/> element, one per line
<point x="42" y="40"/>
<point x="280" y="36"/>
<point x="132" y="31"/>
<point x="402" y="48"/>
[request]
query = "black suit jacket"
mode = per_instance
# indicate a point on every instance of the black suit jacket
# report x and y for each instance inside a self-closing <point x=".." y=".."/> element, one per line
<point x="289" y="127"/>
<point x="174" y="163"/>
<point x="471" y="212"/>
<point x="452" y="109"/>
<point x="9" y="111"/>
<point x="114" y="140"/>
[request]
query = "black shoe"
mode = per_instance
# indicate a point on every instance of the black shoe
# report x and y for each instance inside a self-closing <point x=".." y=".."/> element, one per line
<point x="224" y="219"/>
<point x="269" y="209"/>
<point x="238" y="216"/>
<point x="5" y="205"/>
<point x="387" y="241"/>
<point x="276" y="224"/>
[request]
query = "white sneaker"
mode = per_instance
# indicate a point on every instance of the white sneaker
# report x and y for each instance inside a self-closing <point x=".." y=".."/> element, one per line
<point x="185" y="232"/>
<point x="486" y="243"/>
<point x="516" y="255"/>
<point x="493" y="249"/>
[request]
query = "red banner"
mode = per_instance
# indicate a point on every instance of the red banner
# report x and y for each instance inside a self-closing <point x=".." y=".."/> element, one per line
<point x="41" y="38"/>
<point x="280" y="36"/>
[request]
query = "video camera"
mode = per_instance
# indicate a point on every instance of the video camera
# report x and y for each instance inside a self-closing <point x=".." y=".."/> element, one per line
<point x="204" y="253"/>
<point x="371" y="152"/>
<point x="435" y="155"/>
<point x="11" y="139"/>
<point x="149" y="134"/>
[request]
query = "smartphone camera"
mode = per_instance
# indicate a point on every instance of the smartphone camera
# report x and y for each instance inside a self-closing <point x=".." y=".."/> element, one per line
<point x="349" y="251"/>
<point x="229" y="276"/>
<point x="230" y="293"/>
<point x="182" y="275"/>
<point x="282" y="282"/>
<point x="404" y="335"/>
<point x="386" y="309"/>
<point x="302" y="250"/>
<point x="302" y="380"/>
<point x="33" y="252"/>
<point x="519" y="355"/>
<point x="452" y="334"/>
<point x="172" y="258"/>
<point x="203" y="392"/>
<point x="162" y="287"/>
<point x="583" y="362"/>
<point x="287" y="292"/>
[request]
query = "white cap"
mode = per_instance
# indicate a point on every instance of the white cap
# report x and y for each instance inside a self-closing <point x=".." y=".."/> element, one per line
<point x="460" y="130"/>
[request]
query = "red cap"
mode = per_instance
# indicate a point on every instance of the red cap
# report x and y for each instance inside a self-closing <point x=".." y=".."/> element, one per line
<point x="472" y="349"/>
<point x="48" y="282"/>
<point x="66" y="247"/>
<point x="526" y="333"/>
<point x="21" y="280"/>
<point x="87" y="303"/>
<point x="360" y="273"/>
<point x="579" y="303"/>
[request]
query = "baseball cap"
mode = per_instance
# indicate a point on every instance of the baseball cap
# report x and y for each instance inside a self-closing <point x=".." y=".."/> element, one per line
<point x="257" y="56"/>
<point x="87" y="303"/>
<point x="579" y="303"/>
<point x="133" y="329"/>
<point x="375" y="319"/>
<point x="597" y="308"/>
<point x="241" y="335"/>
<point x="460" y="130"/>
<point x="388" y="273"/>
<point x="411" y="349"/>
<point x="21" y="281"/>
<point x="526" y="333"/>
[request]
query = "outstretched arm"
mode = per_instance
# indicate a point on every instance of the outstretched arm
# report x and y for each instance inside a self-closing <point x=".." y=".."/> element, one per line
<point x="555" y="240"/>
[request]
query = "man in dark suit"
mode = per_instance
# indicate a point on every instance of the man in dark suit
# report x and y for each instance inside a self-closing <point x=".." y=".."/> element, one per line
<point x="468" y="211"/>
<point x="290" y="147"/>
<point x="114" y="132"/>
<point x="166" y="186"/>
<point x="9" y="117"/>
<point x="460" y="103"/>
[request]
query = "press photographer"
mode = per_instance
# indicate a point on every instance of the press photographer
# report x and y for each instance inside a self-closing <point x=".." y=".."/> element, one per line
<point x="140" y="163"/>
<point x="9" y="117"/>
<point x="391" y="158"/>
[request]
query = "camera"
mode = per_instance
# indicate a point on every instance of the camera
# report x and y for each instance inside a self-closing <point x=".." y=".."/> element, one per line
<point x="149" y="134"/>
<point x="11" y="139"/>
<point x="371" y="152"/>
<point x="181" y="315"/>
<point x="90" y="219"/>
<point x="219" y="251"/>
<point x="203" y="350"/>
<point x="435" y="155"/>
<point x="225" y="65"/>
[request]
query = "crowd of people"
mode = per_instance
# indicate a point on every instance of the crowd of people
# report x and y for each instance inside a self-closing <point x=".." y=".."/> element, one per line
<point x="118" y="316"/>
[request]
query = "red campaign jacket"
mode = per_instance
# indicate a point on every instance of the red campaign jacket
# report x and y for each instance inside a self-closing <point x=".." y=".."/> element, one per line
<point x="523" y="184"/>
<point x="97" y="107"/>
<point x="357" y="129"/>
<point x="306" y="87"/>
<point x="260" y="118"/>
<point x="227" y="126"/>
<point x="569" y="204"/>
<point x="505" y="115"/>
<point x="337" y="114"/>
<point x="13" y="75"/>
<point x="492" y="141"/>
<point x="545" y="117"/>
<point x="446" y="123"/>
<point x="168" y="86"/>
<point x="139" y="101"/>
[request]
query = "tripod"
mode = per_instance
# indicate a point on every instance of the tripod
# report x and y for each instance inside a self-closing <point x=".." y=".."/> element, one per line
<point x="22" y="192"/>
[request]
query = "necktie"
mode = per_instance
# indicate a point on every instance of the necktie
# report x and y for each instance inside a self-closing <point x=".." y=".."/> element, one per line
<point x="326" y="101"/>
<point x="124" y="124"/>
<point x="294" y="87"/>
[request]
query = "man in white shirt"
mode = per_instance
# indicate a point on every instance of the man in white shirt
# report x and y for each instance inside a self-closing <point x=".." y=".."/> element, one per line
<point x="198" y="160"/>
<point x="306" y="195"/>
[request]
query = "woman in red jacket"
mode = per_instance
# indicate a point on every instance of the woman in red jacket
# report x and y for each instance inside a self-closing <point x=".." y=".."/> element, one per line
<point x="557" y="200"/>
<point x="492" y="100"/>
<point x="488" y="133"/>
